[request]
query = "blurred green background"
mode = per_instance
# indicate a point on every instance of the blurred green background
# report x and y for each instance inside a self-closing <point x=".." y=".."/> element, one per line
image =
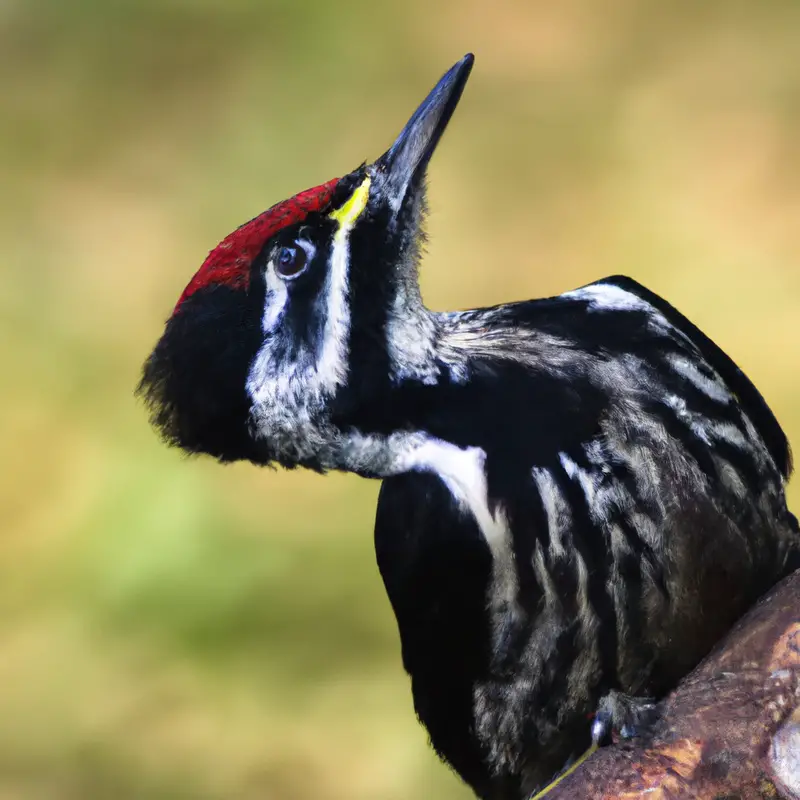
<point x="170" y="628"/>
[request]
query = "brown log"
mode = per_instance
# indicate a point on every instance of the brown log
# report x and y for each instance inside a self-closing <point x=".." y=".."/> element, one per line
<point x="730" y="731"/>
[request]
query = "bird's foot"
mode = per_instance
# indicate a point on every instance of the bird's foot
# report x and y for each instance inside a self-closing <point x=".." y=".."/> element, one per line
<point x="620" y="716"/>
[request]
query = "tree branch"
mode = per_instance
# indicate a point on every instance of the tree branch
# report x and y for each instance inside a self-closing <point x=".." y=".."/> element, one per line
<point x="730" y="731"/>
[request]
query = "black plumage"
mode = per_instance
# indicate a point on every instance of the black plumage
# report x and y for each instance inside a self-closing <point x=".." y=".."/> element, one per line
<point x="581" y="493"/>
<point x="649" y="576"/>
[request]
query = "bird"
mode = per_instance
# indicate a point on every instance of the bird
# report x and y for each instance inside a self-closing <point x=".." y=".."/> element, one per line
<point x="580" y="493"/>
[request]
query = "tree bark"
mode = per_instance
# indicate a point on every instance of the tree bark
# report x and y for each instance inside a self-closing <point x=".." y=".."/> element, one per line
<point x="730" y="731"/>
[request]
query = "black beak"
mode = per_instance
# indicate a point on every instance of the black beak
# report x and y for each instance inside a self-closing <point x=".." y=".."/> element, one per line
<point x="405" y="161"/>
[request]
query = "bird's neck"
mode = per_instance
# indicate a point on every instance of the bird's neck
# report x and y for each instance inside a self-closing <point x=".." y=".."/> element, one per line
<point x="432" y="392"/>
<point x="441" y="385"/>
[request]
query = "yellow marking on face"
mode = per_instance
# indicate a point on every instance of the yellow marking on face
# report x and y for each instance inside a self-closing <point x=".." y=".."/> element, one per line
<point x="347" y="214"/>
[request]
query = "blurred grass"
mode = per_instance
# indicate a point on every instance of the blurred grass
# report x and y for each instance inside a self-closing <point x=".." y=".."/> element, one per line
<point x="171" y="628"/>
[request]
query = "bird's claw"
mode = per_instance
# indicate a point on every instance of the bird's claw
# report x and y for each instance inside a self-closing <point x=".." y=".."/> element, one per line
<point x="622" y="715"/>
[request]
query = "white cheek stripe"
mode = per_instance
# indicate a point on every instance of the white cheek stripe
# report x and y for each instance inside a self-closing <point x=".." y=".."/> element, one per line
<point x="332" y="361"/>
<point x="275" y="303"/>
<point x="283" y="391"/>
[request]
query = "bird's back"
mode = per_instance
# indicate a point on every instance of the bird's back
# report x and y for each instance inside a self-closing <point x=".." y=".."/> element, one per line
<point x="640" y="476"/>
<point x="748" y="396"/>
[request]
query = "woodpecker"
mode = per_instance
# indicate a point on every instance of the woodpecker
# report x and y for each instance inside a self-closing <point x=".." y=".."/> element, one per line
<point x="580" y="493"/>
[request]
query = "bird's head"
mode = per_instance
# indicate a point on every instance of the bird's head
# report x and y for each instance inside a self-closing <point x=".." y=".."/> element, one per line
<point x="294" y="307"/>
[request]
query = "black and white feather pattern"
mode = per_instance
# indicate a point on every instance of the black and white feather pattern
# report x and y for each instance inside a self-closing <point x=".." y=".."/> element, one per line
<point x="639" y="477"/>
<point x="581" y="493"/>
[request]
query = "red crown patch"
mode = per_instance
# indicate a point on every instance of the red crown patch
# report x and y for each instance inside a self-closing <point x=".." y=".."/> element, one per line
<point x="229" y="262"/>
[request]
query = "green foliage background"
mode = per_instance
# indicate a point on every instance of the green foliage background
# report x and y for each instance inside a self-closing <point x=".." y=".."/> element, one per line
<point x="170" y="628"/>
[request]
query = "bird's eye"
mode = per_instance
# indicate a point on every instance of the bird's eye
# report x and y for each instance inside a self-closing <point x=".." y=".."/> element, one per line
<point x="290" y="261"/>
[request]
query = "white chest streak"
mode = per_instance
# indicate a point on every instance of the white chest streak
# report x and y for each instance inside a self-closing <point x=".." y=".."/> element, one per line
<point x="463" y="472"/>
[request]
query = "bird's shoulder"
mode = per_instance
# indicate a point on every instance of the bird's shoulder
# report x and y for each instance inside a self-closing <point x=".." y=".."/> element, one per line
<point x="619" y="289"/>
<point x="617" y="325"/>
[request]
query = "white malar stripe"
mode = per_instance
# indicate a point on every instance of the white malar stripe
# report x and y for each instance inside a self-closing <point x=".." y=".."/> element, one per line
<point x="332" y="364"/>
